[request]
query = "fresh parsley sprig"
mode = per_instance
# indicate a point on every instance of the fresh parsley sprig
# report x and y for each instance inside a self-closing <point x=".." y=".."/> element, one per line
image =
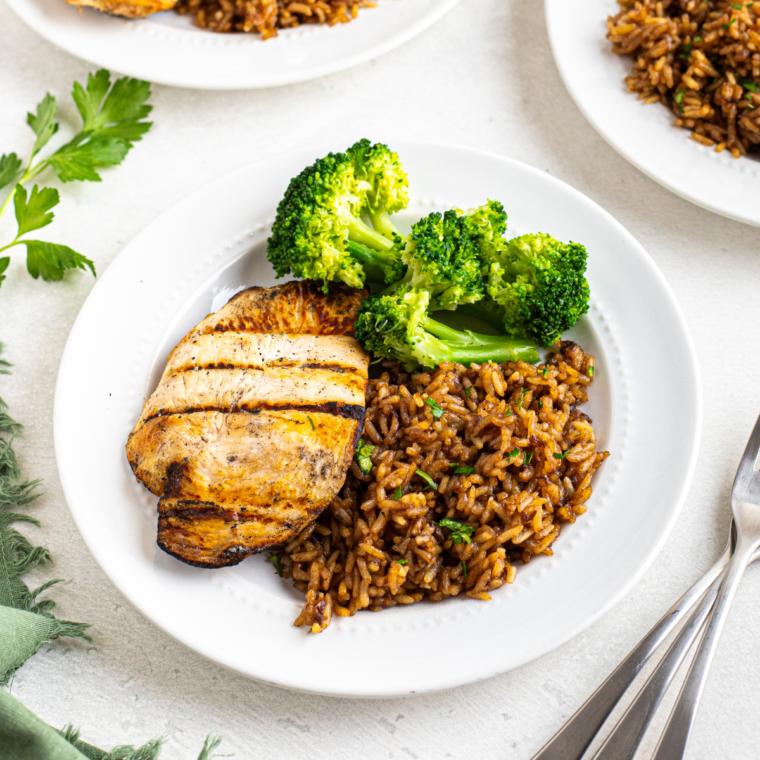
<point x="113" y="119"/>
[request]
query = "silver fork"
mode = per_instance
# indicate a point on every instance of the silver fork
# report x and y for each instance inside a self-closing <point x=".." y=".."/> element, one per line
<point x="745" y="504"/>
<point x="572" y="740"/>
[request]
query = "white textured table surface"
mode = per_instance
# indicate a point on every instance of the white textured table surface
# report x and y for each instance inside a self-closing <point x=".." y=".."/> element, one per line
<point x="482" y="77"/>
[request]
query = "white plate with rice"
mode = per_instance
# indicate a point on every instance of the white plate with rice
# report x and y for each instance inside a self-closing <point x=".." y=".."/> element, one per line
<point x="242" y="617"/>
<point x="645" y="135"/>
<point x="170" y="49"/>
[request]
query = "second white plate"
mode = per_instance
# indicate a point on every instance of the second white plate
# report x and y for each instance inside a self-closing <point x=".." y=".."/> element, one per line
<point x="169" y="49"/>
<point x="646" y="407"/>
<point x="645" y="135"/>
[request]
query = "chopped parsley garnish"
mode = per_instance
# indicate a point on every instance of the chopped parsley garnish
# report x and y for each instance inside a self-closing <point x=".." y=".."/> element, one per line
<point x="434" y="408"/>
<point x="698" y="39"/>
<point x="508" y="413"/>
<point x="464" y="570"/>
<point x="400" y="561"/>
<point x="738" y="6"/>
<point x="397" y="494"/>
<point x="688" y="47"/>
<point x="679" y="96"/>
<point x="545" y="371"/>
<point x="526" y="460"/>
<point x="540" y="405"/>
<point x="311" y="422"/>
<point x="515" y="452"/>
<point x="430" y="482"/>
<point x="275" y="560"/>
<point x="591" y="371"/>
<point x="468" y="391"/>
<point x="363" y="456"/>
<point x="751" y="86"/>
<point x="462" y="469"/>
<point x="564" y="453"/>
<point x="459" y="531"/>
<point x="523" y="393"/>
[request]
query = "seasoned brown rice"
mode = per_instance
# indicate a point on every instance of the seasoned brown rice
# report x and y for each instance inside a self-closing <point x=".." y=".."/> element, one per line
<point x="701" y="58"/>
<point x="267" y="16"/>
<point x="511" y="458"/>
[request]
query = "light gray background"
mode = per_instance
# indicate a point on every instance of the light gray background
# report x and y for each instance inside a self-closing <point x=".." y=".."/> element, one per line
<point x="482" y="77"/>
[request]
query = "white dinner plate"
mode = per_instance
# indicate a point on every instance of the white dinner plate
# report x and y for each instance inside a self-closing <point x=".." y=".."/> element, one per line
<point x="645" y="135"/>
<point x="646" y="405"/>
<point x="170" y="49"/>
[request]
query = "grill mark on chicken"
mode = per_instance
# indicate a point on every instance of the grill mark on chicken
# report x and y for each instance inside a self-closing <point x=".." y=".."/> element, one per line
<point x="230" y="390"/>
<point x="347" y="411"/>
<point x="281" y="364"/>
<point x="253" y="426"/>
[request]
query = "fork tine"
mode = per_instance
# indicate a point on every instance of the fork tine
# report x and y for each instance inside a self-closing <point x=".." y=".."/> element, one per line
<point x="746" y="471"/>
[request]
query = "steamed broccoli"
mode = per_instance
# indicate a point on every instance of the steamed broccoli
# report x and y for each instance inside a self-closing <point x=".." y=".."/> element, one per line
<point x="444" y="252"/>
<point x="387" y="186"/>
<point x="540" y="285"/>
<point x="398" y="326"/>
<point x="318" y="232"/>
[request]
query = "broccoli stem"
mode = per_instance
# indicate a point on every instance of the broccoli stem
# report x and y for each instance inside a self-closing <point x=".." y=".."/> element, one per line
<point x="486" y="311"/>
<point x="382" y="223"/>
<point x="372" y="261"/>
<point x="467" y="346"/>
<point x="359" y="232"/>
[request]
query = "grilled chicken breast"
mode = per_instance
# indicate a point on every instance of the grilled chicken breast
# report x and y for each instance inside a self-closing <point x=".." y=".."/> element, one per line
<point x="254" y="423"/>
<point x="127" y="8"/>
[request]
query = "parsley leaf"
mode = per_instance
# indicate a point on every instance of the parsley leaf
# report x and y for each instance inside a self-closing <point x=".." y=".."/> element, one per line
<point x="430" y="482"/>
<point x="462" y="469"/>
<point x="275" y="560"/>
<point x="43" y="122"/>
<point x="113" y="121"/>
<point x="526" y="460"/>
<point x="311" y="422"/>
<point x="459" y="531"/>
<point x="51" y="260"/>
<point x="434" y="408"/>
<point x="400" y="561"/>
<point x="34" y="213"/>
<point x="10" y="166"/>
<point x="468" y="391"/>
<point x="464" y="569"/>
<point x="397" y="494"/>
<point x="363" y="456"/>
<point x="4" y="261"/>
<point x="523" y="393"/>
<point x="564" y="453"/>
<point x="120" y="114"/>
<point x="78" y="162"/>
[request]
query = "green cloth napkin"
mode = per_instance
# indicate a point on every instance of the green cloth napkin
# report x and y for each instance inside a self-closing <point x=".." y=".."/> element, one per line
<point x="23" y="736"/>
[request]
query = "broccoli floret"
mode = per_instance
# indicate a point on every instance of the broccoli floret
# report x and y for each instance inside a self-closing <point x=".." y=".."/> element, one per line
<point x="487" y="224"/>
<point x="541" y="286"/>
<point x="444" y="252"/>
<point x="398" y="326"/>
<point x="387" y="186"/>
<point x="318" y="232"/>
